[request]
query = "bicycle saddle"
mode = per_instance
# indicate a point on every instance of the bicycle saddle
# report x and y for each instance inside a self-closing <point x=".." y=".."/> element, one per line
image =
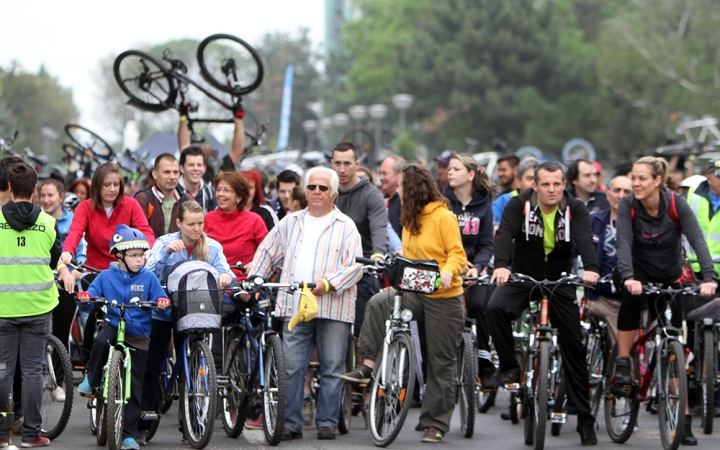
<point x="710" y="310"/>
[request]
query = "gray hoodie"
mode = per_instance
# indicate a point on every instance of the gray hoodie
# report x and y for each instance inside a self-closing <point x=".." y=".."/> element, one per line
<point x="365" y="205"/>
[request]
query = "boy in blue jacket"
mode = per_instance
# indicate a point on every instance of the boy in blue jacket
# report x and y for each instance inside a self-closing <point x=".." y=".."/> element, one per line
<point x="123" y="281"/>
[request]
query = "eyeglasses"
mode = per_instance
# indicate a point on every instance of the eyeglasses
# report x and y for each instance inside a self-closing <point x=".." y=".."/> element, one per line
<point x="322" y="187"/>
<point x="137" y="256"/>
<point x="224" y="190"/>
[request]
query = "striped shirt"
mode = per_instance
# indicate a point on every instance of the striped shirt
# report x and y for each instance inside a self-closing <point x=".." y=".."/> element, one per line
<point x="334" y="260"/>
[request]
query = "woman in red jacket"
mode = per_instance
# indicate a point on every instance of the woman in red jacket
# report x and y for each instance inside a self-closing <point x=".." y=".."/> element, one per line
<point x="238" y="231"/>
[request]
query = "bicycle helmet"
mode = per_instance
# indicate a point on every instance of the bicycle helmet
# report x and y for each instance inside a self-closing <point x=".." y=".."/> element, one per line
<point x="71" y="201"/>
<point x="126" y="238"/>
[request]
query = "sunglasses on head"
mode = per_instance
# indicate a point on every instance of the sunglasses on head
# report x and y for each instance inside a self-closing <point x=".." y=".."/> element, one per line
<point x="312" y="187"/>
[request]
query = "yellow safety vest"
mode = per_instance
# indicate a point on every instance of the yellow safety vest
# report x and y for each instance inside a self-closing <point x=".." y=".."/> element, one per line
<point x="710" y="227"/>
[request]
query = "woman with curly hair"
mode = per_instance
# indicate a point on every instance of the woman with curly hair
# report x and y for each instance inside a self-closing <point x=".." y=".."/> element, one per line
<point x="430" y="232"/>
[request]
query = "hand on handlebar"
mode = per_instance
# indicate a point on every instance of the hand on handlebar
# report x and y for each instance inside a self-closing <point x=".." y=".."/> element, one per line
<point x="634" y="287"/>
<point x="83" y="296"/>
<point x="68" y="280"/>
<point x="319" y="288"/>
<point x="590" y="278"/>
<point x="500" y="276"/>
<point x="238" y="110"/>
<point x="445" y="278"/>
<point x="66" y="258"/>
<point x="224" y="280"/>
<point x="707" y="289"/>
<point x="471" y="272"/>
<point x="163" y="303"/>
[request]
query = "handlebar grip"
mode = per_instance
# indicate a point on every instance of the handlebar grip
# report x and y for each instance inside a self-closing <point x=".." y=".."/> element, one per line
<point x="311" y="285"/>
<point x="365" y="261"/>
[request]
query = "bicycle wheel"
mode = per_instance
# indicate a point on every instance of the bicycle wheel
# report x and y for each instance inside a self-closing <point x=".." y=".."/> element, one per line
<point x="346" y="409"/>
<point x="88" y="140"/>
<point x="596" y="371"/>
<point x="150" y="432"/>
<point x="230" y="64"/>
<point x="274" y="390"/>
<point x="100" y="419"/>
<point x="235" y="399"/>
<point x="538" y="415"/>
<point x="199" y="396"/>
<point x="525" y="400"/>
<point x="92" y="409"/>
<point x="707" y="379"/>
<point x="390" y="402"/>
<point x="621" y="406"/>
<point x="467" y="371"/>
<point x="115" y="406"/>
<point x="144" y="79"/>
<point x="165" y="399"/>
<point x="672" y="395"/>
<point x="57" y="380"/>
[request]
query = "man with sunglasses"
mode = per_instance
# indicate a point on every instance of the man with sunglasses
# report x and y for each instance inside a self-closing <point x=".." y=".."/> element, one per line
<point x="318" y="244"/>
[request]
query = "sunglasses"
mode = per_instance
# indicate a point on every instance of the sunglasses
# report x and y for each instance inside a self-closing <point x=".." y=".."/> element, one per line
<point x="322" y="187"/>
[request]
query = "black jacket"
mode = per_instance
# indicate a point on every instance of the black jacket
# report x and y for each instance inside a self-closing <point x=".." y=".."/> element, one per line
<point x="528" y="256"/>
<point x="476" y="226"/>
<point x="597" y="202"/>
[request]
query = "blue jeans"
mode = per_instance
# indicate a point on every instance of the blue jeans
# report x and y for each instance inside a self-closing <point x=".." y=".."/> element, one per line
<point x="24" y="338"/>
<point x="330" y="337"/>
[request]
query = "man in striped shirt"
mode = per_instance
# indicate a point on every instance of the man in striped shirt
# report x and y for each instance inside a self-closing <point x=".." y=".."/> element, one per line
<point x="316" y="244"/>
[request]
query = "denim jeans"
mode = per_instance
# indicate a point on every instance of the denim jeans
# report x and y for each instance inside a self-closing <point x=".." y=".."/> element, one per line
<point x="24" y="338"/>
<point x="330" y="337"/>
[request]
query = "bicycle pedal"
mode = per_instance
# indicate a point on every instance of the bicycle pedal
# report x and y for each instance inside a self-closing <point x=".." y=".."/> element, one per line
<point x="558" y="417"/>
<point x="90" y="395"/>
<point x="149" y="415"/>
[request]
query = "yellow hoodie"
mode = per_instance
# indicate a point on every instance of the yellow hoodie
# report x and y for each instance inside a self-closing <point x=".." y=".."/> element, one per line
<point x="439" y="239"/>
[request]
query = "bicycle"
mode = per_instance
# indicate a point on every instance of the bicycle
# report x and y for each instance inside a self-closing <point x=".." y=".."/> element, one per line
<point x="115" y="391"/>
<point x="57" y="377"/>
<point x="622" y="403"/>
<point x="707" y="330"/>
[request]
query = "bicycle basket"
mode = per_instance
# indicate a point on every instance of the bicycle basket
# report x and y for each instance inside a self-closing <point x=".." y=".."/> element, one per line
<point x="415" y="275"/>
<point x="197" y="301"/>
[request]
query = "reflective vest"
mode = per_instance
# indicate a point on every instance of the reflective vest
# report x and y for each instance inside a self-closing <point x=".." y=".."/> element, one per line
<point x="710" y="227"/>
<point x="27" y="286"/>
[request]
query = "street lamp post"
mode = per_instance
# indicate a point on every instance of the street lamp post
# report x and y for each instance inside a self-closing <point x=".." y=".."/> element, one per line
<point x="325" y="126"/>
<point x="377" y="113"/>
<point x="310" y="126"/>
<point x="358" y="112"/>
<point x="402" y="103"/>
<point x="340" y="120"/>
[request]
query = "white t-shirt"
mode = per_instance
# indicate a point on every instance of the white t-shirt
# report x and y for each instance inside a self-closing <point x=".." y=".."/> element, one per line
<point x="312" y="229"/>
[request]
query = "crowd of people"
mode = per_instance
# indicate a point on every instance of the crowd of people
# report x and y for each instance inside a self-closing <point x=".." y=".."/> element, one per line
<point x="542" y="220"/>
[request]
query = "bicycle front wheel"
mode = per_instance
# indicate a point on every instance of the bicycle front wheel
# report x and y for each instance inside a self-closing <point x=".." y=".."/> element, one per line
<point x="467" y="371"/>
<point x="392" y="391"/>
<point x="88" y="140"/>
<point x="143" y="78"/>
<point x="115" y="406"/>
<point x="230" y="64"/>
<point x="672" y="396"/>
<point x="596" y="370"/>
<point x="199" y="396"/>
<point x="707" y="379"/>
<point x="541" y="386"/>
<point x="274" y="390"/>
<point x="235" y="399"/>
<point x="57" y="399"/>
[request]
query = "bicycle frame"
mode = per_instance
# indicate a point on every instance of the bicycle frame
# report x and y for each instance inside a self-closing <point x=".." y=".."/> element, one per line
<point x="395" y="324"/>
<point x="120" y="346"/>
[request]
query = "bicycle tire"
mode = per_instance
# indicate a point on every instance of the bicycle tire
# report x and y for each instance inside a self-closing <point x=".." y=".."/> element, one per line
<point x="540" y="413"/>
<point x="199" y="399"/>
<point x="165" y="399"/>
<point x="149" y="88"/>
<point x="100" y="419"/>
<point x="88" y="140"/>
<point x="389" y="404"/>
<point x="672" y="411"/>
<point x="526" y="403"/>
<point x="92" y="409"/>
<point x="274" y="390"/>
<point x="346" y="408"/>
<point x="57" y="373"/>
<point x="115" y="405"/>
<point x="486" y="400"/>
<point x="468" y="380"/>
<point x="150" y="432"/>
<point x="216" y="57"/>
<point x="235" y="398"/>
<point x="621" y="412"/>
<point x="560" y="405"/>
<point x="596" y="372"/>
<point x="707" y="379"/>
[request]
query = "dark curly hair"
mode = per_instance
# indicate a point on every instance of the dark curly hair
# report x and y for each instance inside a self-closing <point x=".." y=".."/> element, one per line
<point x="418" y="189"/>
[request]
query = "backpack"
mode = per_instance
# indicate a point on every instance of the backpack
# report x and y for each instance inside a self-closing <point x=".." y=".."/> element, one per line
<point x="197" y="301"/>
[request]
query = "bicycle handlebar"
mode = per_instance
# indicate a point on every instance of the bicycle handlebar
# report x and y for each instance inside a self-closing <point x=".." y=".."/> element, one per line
<point x="521" y="278"/>
<point x="122" y="306"/>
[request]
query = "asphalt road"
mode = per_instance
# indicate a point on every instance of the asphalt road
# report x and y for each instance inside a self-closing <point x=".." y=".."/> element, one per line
<point x="490" y="432"/>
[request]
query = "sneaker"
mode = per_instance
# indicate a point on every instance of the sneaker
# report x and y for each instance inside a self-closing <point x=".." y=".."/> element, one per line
<point x="256" y="424"/>
<point x="687" y="436"/>
<point x="433" y="435"/>
<point x="361" y="374"/>
<point x="84" y="388"/>
<point x="623" y="377"/>
<point x="58" y="395"/>
<point x="326" y="433"/>
<point x="40" y="441"/>
<point x="290" y="435"/>
<point x="129" y="444"/>
<point x="4" y="443"/>
<point x="487" y="380"/>
<point x="142" y="442"/>
<point x="508" y="377"/>
<point x="307" y="411"/>
<point x="586" y="429"/>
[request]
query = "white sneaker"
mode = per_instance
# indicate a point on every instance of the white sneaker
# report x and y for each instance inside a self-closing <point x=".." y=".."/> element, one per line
<point x="58" y="395"/>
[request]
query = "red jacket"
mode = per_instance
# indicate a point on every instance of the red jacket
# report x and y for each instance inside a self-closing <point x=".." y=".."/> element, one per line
<point x="239" y="232"/>
<point x="98" y="229"/>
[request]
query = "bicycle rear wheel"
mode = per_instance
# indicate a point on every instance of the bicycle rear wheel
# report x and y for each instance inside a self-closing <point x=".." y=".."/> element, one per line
<point x="274" y="390"/>
<point x="144" y="79"/>
<point x="346" y="409"/>
<point x="596" y="370"/>
<point x="100" y="419"/>
<point x="230" y="64"/>
<point x="707" y="379"/>
<point x="57" y="380"/>
<point x="467" y="376"/>
<point x="672" y="395"/>
<point x="115" y="406"/>
<point x="86" y="139"/>
<point x="199" y="397"/>
<point x="235" y="399"/>
<point x="165" y="398"/>
<point x="390" y="402"/>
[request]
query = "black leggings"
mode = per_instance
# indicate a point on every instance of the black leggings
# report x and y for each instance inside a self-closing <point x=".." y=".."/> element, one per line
<point x="630" y="314"/>
<point x="476" y="300"/>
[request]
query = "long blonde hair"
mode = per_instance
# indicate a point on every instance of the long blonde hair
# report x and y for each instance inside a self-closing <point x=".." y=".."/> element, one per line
<point x="200" y="251"/>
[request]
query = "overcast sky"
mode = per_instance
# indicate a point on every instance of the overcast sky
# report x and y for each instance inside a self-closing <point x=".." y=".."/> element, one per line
<point x="70" y="37"/>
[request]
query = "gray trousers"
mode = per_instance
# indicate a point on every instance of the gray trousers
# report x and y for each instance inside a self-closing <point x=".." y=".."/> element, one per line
<point x="444" y="319"/>
<point x="23" y="339"/>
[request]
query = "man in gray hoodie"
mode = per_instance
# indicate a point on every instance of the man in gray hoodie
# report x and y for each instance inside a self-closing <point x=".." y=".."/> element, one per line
<point x="364" y="204"/>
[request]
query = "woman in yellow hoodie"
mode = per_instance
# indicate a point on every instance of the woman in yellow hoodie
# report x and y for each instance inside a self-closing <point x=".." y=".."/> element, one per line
<point x="430" y="232"/>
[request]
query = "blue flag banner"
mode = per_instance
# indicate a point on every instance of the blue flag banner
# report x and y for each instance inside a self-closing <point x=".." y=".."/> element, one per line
<point x="285" y="110"/>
